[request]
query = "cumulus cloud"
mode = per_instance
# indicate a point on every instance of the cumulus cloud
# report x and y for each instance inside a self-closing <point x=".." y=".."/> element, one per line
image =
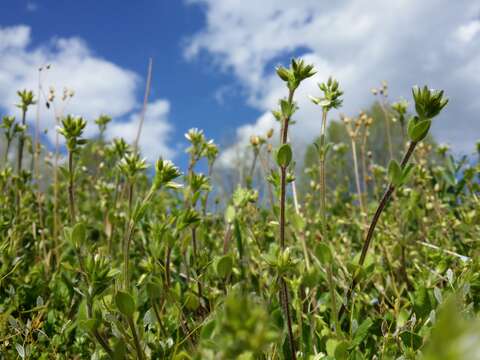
<point x="155" y="132"/>
<point x="100" y="86"/>
<point x="404" y="42"/>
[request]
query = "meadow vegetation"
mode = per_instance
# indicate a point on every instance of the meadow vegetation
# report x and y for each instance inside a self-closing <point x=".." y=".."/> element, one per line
<point x="365" y="249"/>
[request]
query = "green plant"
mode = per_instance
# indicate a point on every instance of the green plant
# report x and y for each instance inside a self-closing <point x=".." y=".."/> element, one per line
<point x="292" y="76"/>
<point x="428" y="104"/>
<point x="26" y="100"/>
<point x="331" y="100"/>
<point x="148" y="266"/>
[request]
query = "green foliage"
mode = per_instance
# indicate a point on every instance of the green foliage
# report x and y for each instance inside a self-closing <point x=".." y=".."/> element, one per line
<point x="125" y="303"/>
<point x="296" y="73"/>
<point x="428" y="103"/>
<point x="284" y="155"/>
<point x="107" y="261"/>
<point x="331" y="95"/>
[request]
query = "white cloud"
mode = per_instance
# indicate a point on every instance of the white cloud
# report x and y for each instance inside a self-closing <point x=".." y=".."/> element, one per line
<point x="361" y="43"/>
<point x="466" y="33"/>
<point x="155" y="132"/>
<point x="101" y="87"/>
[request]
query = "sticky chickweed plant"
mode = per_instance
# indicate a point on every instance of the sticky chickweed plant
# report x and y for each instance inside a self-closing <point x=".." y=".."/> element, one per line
<point x="345" y="254"/>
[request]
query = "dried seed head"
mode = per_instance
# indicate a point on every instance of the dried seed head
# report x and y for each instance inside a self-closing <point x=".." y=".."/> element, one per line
<point x="270" y="133"/>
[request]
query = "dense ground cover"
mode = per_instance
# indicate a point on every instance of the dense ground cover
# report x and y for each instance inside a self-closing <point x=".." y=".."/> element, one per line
<point x="102" y="257"/>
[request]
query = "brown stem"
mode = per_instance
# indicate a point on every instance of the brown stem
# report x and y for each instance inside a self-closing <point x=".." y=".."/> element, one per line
<point x="283" y="185"/>
<point x="286" y="309"/>
<point x="381" y="206"/>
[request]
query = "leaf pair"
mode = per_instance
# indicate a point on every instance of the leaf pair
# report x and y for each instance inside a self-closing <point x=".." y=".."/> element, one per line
<point x="398" y="175"/>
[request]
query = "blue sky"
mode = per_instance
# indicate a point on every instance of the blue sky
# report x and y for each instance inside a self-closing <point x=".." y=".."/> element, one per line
<point x="127" y="34"/>
<point x="214" y="62"/>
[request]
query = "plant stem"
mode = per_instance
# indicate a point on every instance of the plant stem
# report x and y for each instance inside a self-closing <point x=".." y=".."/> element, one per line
<point x="144" y="107"/>
<point x="284" y="289"/>
<point x="381" y="206"/>
<point x="387" y="128"/>
<point x="363" y="154"/>
<point x="103" y="343"/>
<point x="357" y="175"/>
<point x="55" y="190"/>
<point x="71" y="194"/>
<point x="21" y="142"/>
<point x="323" y="211"/>
<point x="138" y="347"/>
<point x="7" y="150"/>
<point x="323" y="195"/>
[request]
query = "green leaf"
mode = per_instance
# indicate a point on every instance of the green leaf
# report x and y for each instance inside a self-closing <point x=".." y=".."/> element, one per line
<point x="182" y="356"/>
<point x="395" y="173"/>
<point x="191" y="301"/>
<point x="323" y="253"/>
<point x="284" y="155"/>
<point x="331" y="345"/>
<point x="125" y="303"/>
<point x="224" y="266"/>
<point x="79" y="234"/>
<point x="411" y="340"/>
<point x="89" y="324"/>
<point x="421" y="303"/>
<point x="341" y="351"/>
<point x="207" y="329"/>
<point x="283" y="73"/>
<point x="407" y="173"/>
<point x="119" y="350"/>
<point x="362" y="331"/>
<point x="230" y="214"/>
<point x="154" y="289"/>
<point x="418" y="129"/>
<point x="20" y="350"/>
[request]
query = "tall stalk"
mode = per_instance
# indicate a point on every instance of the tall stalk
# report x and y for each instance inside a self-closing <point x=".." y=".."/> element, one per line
<point x="368" y="239"/>
<point x="428" y="104"/>
<point x="331" y="100"/>
<point x="21" y="142"/>
<point x="293" y="76"/>
<point x="283" y="184"/>
<point x="71" y="189"/>
<point x="387" y="129"/>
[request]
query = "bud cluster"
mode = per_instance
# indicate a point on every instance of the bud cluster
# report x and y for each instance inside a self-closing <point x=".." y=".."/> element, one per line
<point x="72" y="130"/>
<point x="296" y="73"/>
<point x="331" y="95"/>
